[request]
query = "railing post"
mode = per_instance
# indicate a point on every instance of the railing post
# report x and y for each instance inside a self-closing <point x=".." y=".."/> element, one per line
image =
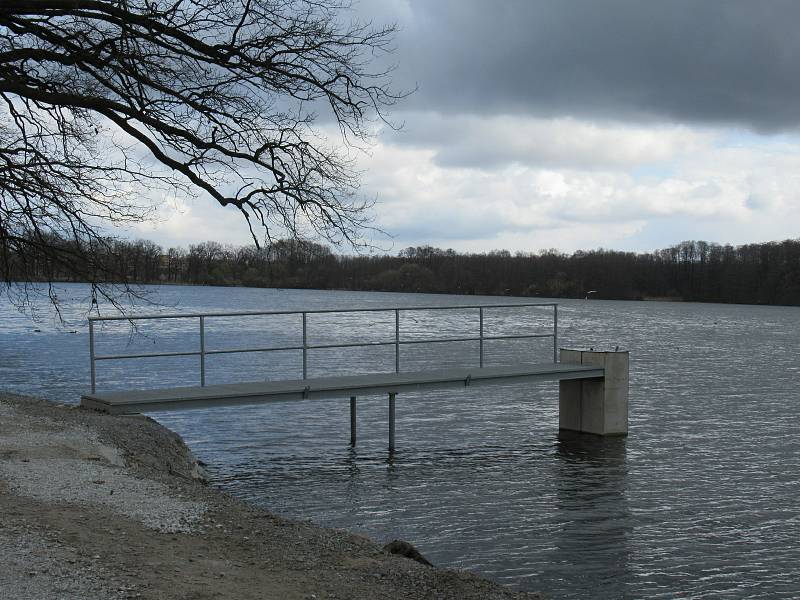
<point x="481" y="337"/>
<point x="396" y="340"/>
<point x="305" y="347"/>
<point x="555" y="333"/>
<point x="91" y="353"/>
<point x="353" y="421"/>
<point x="202" y="351"/>
<point x="392" y="396"/>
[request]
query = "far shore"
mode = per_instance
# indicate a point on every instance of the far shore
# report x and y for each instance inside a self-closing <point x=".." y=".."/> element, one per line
<point x="666" y="299"/>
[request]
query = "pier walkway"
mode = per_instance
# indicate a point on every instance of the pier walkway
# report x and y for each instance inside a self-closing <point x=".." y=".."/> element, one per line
<point x="129" y="402"/>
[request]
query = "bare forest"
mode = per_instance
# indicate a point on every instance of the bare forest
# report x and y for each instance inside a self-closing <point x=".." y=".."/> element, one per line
<point x="765" y="273"/>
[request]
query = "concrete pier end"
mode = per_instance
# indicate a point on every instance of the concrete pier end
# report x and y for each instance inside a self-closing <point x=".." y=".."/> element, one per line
<point x="598" y="406"/>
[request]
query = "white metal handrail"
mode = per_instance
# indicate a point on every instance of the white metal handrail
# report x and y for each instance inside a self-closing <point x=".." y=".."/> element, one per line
<point x="305" y="347"/>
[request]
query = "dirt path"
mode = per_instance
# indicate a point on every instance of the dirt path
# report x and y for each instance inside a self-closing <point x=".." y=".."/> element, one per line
<point x="98" y="507"/>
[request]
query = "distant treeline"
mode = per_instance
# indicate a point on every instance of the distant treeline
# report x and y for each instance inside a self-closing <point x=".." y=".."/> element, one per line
<point x="767" y="273"/>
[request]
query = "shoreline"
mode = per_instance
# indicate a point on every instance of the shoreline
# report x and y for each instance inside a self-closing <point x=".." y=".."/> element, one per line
<point x="98" y="506"/>
<point x="643" y="298"/>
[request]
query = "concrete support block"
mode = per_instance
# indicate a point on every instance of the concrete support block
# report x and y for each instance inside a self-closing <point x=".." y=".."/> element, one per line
<point x="598" y="406"/>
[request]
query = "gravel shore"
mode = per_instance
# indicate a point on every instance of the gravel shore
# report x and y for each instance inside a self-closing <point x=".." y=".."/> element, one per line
<point x="96" y="507"/>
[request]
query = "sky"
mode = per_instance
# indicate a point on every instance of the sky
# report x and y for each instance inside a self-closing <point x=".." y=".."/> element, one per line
<point x="574" y="124"/>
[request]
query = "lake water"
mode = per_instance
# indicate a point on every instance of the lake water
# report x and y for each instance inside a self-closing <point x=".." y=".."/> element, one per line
<point x="701" y="500"/>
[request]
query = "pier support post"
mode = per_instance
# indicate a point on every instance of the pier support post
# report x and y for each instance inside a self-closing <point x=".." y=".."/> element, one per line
<point x="392" y="396"/>
<point x="353" y="421"/>
<point x="598" y="406"/>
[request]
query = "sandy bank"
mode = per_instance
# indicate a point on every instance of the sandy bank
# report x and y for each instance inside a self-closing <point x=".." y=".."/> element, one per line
<point x="95" y="507"/>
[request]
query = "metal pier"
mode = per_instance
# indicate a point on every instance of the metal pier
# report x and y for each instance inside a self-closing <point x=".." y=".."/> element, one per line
<point x="347" y="386"/>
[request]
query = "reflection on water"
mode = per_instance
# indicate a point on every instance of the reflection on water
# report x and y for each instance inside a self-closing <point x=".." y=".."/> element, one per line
<point x="592" y="545"/>
<point x="701" y="500"/>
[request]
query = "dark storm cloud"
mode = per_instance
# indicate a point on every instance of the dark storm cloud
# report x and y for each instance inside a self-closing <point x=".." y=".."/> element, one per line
<point x="691" y="61"/>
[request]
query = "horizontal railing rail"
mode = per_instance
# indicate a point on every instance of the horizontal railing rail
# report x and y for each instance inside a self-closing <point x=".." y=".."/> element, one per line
<point x="397" y="342"/>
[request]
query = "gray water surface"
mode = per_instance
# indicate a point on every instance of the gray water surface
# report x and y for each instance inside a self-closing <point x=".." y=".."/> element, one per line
<point x="700" y="500"/>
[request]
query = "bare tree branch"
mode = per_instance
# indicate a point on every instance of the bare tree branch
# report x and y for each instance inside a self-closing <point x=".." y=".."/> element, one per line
<point x="102" y="100"/>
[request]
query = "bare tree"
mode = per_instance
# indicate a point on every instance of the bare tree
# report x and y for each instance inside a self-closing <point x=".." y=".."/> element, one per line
<point x="103" y="100"/>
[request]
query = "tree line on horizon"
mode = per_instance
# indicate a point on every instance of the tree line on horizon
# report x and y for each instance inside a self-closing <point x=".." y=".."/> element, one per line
<point x="759" y="273"/>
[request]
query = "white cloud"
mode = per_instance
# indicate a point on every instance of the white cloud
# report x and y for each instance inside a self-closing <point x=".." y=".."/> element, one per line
<point x="495" y="142"/>
<point x="182" y="221"/>
<point x="623" y="187"/>
<point x="696" y="181"/>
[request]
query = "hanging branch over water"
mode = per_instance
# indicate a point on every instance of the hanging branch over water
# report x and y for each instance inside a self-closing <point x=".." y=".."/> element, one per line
<point x="105" y="101"/>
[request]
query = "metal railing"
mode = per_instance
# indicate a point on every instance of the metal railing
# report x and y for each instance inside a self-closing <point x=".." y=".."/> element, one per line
<point x="305" y="347"/>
